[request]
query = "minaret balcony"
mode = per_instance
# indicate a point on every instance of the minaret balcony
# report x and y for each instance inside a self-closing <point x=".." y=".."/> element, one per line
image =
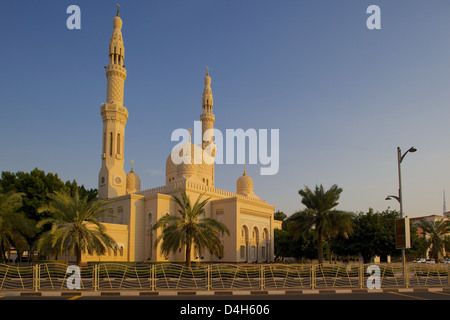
<point x="116" y="70"/>
<point x="107" y="107"/>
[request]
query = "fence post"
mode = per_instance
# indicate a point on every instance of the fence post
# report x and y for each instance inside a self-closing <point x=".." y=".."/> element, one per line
<point x="261" y="276"/>
<point x="208" y="277"/>
<point x="406" y="275"/>
<point x="95" y="277"/>
<point x="34" y="278"/>
<point x="152" y="279"/>
<point x="36" y="274"/>
<point x="361" y="276"/>
<point x="98" y="277"/>
<point x="313" y="276"/>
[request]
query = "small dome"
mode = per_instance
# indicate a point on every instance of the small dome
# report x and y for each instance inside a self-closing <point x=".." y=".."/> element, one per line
<point x="133" y="182"/>
<point x="244" y="185"/>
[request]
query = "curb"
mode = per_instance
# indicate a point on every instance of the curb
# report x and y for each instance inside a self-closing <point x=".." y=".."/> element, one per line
<point x="130" y="293"/>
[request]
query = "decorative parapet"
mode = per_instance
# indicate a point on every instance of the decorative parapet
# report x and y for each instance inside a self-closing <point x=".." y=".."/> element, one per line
<point x="175" y="186"/>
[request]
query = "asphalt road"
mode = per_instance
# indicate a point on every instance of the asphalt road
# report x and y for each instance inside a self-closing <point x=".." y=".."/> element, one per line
<point x="360" y="305"/>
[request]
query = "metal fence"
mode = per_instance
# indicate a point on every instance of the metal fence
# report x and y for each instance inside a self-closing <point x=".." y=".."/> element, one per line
<point x="167" y="276"/>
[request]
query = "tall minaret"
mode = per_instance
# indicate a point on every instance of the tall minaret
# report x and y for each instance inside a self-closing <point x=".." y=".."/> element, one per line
<point x="207" y="117"/>
<point x="444" y="209"/>
<point x="112" y="177"/>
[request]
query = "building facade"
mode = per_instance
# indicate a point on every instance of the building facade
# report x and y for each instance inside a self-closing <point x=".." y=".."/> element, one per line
<point x="248" y="218"/>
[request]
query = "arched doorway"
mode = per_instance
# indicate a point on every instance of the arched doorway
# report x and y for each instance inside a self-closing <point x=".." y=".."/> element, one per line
<point x="243" y="250"/>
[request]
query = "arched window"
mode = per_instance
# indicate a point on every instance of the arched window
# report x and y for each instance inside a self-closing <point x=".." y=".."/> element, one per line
<point x="255" y="234"/>
<point x="104" y="143"/>
<point x="111" y="144"/>
<point x="244" y="243"/>
<point x="118" y="143"/>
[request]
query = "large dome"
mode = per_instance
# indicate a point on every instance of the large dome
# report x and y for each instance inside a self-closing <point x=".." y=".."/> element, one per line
<point x="188" y="161"/>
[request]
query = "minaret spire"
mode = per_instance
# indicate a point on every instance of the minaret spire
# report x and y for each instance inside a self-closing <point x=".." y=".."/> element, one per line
<point x="444" y="209"/>
<point x="207" y="117"/>
<point x="112" y="177"/>
<point x="207" y="101"/>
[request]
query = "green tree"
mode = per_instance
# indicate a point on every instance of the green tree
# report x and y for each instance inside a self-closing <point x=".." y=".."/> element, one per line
<point x="419" y="245"/>
<point x="373" y="234"/>
<point x="82" y="191"/>
<point x="14" y="226"/>
<point x="286" y="247"/>
<point x="436" y="231"/>
<point x="321" y="216"/>
<point x="75" y="228"/>
<point x="35" y="187"/>
<point x="188" y="229"/>
<point x="279" y="215"/>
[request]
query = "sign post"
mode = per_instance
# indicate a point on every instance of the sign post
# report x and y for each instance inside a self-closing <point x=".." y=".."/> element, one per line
<point x="402" y="234"/>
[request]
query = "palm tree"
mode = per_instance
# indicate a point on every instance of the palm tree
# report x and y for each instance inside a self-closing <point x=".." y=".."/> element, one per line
<point x="436" y="231"/>
<point x="15" y="227"/>
<point x="188" y="229"/>
<point x="321" y="216"/>
<point x="75" y="228"/>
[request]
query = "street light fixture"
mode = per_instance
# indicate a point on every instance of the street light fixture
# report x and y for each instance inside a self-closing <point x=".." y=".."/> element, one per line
<point x="390" y="198"/>
<point x="399" y="198"/>
<point x="400" y="158"/>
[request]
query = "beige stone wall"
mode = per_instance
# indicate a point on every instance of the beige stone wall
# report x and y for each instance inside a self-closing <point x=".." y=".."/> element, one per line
<point x="255" y="231"/>
<point x="119" y="232"/>
<point x="250" y="223"/>
<point x="156" y="206"/>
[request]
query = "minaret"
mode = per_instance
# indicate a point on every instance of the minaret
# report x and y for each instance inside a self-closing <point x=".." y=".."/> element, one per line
<point x="207" y="117"/>
<point x="444" y="209"/>
<point x="112" y="177"/>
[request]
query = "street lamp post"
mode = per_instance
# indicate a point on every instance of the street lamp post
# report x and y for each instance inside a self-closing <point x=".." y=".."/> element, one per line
<point x="399" y="198"/>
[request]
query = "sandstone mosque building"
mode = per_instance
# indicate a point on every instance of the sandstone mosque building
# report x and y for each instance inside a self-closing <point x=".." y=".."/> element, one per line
<point x="249" y="219"/>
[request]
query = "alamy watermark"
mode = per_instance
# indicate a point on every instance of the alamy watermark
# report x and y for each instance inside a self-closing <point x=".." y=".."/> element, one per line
<point x="374" y="280"/>
<point x="233" y="143"/>
<point x="74" y="20"/>
<point x="74" y="280"/>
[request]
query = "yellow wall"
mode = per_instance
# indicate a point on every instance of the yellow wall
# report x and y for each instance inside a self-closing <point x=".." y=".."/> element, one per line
<point x="119" y="232"/>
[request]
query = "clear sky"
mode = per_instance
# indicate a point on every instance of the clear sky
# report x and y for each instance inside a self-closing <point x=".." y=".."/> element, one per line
<point x="343" y="97"/>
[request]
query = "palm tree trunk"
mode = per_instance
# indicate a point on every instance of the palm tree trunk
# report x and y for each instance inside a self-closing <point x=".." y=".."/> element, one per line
<point x="78" y="253"/>
<point x="320" y="246"/>
<point x="188" y="254"/>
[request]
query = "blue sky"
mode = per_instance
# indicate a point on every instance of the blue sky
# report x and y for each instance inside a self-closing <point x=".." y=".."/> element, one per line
<point x="343" y="96"/>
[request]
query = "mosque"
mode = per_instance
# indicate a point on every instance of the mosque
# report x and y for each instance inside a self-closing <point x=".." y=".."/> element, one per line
<point x="249" y="219"/>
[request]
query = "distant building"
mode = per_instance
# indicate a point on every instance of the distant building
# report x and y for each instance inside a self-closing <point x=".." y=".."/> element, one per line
<point x="431" y="218"/>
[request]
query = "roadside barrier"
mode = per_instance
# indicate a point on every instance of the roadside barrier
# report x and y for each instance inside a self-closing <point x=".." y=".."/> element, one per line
<point x="172" y="276"/>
